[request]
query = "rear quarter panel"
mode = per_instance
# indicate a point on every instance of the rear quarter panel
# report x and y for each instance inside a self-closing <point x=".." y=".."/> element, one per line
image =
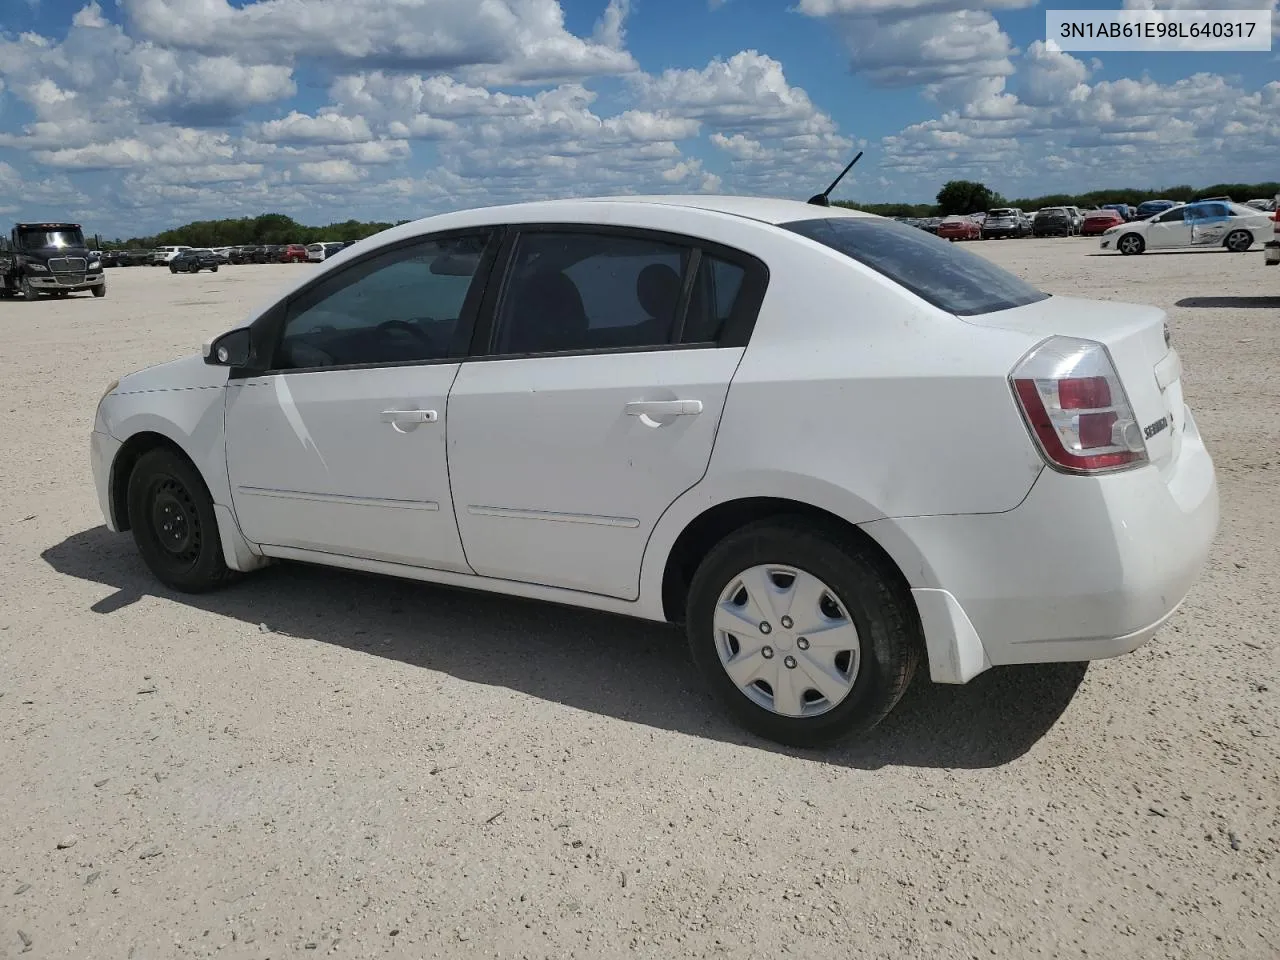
<point x="866" y="389"/>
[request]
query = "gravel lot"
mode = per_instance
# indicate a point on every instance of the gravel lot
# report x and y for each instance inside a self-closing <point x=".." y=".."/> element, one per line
<point x="391" y="768"/>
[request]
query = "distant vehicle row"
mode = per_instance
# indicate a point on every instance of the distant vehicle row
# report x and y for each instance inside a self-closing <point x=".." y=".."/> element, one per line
<point x="253" y="253"/>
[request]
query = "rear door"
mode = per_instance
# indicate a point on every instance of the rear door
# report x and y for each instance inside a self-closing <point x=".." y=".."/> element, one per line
<point x="596" y="400"/>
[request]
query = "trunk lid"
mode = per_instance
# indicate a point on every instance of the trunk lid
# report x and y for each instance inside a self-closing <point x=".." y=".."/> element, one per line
<point x="1136" y="337"/>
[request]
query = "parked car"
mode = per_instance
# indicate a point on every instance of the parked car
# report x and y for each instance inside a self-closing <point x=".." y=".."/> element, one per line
<point x="293" y="253"/>
<point x="1077" y="219"/>
<point x="269" y="253"/>
<point x="1100" y="221"/>
<point x="1053" y="222"/>
<point x="1149" y="208"/>
<point x="243" y="254"/>
<point x="162" y="256"/>
<point x="194" y="260"/>
<point x="1125" y="210"/>
<point x="959" y="228"/>
<point x="319" y="252"/>
<point x="1005" y="222"/>
<point x="1063" y="518"/>
<point x="1232" y="226"/>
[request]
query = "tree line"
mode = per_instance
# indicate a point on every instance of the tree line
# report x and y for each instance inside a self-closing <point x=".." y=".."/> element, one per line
<point x="270" y="228"/>
<point x="969" y="196"/>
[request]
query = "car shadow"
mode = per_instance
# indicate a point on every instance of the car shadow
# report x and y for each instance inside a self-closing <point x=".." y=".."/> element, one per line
<point x="1241" y="303"/>
<point x="614" y="666"/>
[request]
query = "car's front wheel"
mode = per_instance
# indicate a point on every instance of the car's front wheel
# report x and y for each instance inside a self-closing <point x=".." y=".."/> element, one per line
<point x="29" y="293"/>
<point x="171" y="514"/>
<point x="100" y="290"/>
<point x="1131" y="244"/>
<point x="805" y="637"/>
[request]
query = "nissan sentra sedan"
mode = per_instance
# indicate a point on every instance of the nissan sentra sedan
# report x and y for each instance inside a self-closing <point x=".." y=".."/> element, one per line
<point x="830" y="445"/>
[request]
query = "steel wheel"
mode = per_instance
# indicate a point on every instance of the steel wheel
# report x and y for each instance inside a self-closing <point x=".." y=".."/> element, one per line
<point x="786" y="641"/>
<point x="174" y="521"/>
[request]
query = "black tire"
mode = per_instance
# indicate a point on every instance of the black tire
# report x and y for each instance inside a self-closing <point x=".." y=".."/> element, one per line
<point x="1133" y="241"/>
<point x="871" y="593"/>
<point x="173" y="269"/>
<point x="165" y="489"/>
<point x="29" y="293"/>
<point x="100" y="290"/>
<point x="213" y="269"/>
<point x="1238" y="241"/>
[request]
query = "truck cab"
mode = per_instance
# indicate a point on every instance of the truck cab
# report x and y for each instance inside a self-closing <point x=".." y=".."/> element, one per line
<point x="49" y="259"/>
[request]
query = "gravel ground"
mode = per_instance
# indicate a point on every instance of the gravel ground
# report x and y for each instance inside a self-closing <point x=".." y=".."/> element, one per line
<point x="319" y="761"/>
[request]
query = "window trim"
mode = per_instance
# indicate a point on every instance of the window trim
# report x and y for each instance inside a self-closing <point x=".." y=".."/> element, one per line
<point x="737" y="327"/>
<point x="267" y="331"/>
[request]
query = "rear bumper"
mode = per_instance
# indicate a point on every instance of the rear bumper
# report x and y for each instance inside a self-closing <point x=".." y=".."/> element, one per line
<point x="1084" y="568"/>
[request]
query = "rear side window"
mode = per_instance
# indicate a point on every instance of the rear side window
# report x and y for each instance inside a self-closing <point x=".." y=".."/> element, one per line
<point x="944" y="274"/>
<point x="581" y="291"/>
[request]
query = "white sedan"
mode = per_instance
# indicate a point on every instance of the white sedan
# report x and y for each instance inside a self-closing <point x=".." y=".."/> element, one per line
<point x="827" y="443"/>
<point x="1233" y="226"/>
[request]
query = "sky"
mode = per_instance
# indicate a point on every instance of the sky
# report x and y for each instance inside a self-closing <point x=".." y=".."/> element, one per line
<point x="131" y="116"/>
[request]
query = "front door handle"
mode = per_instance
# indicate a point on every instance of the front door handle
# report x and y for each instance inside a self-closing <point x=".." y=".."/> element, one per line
<point x="409" y="416"/>
<point x="663" y="408"/>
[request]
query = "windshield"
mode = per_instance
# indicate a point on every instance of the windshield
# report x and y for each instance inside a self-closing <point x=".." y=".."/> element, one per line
<point x="944" y="274"/>
<point x="57" y="238"/>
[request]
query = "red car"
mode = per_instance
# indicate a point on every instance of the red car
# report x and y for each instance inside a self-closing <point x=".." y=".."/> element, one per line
<point x="959" y="228"/>
<point x="294" y="253"/>
<point x="1100" y="221"/>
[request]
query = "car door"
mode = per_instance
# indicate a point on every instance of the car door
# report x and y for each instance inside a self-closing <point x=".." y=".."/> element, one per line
<point x="1169" y="229"/>
<point x="598" y="401"/>
<point x="340" y="446"/>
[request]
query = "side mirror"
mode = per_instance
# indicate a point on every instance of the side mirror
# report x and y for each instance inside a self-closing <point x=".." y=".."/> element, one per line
<point x="233" y="349"/>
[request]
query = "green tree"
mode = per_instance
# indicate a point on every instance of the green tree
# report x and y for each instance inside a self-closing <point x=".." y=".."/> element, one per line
<point x="965" y="196"/>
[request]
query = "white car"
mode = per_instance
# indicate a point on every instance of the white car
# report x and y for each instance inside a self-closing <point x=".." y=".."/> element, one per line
<point x="319" y="252"/>
<point x="162" y="255"/>
<point x="1217" y="223"/>
<point x="828" y="443"/>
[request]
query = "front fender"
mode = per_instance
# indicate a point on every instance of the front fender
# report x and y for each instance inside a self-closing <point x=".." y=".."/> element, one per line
<point x="192" y="420"/>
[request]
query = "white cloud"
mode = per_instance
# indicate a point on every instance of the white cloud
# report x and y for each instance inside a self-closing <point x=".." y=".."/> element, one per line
<point x="511" y="41"/>
<point x="323" y="128"/>
<point x="327" y="171"/>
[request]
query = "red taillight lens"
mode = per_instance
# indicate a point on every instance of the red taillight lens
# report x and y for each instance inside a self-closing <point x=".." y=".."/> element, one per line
<point x="1055" y="384"/>
<point x="1084" y="393"/>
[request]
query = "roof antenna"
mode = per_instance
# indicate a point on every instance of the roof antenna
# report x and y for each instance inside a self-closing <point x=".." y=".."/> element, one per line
<point x="820" y="200"/>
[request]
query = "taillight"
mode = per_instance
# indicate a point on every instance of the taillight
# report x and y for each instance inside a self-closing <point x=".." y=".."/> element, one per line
<point x="1076" y="408"/>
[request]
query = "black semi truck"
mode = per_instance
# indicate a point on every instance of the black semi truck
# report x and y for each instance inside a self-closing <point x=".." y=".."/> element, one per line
<point x="48" y="260"/>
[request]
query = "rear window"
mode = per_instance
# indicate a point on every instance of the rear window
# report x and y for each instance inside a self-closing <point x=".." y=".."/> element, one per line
<point x="946" y="275"/>
<point x="1000" y="213"/>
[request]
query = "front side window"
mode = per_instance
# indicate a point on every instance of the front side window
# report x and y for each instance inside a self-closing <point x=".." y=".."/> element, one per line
<point x="587" y="291"/>
<point x="405" y="305"/>
<point x="1176" y="215"/>
<point x="937" y="271"/>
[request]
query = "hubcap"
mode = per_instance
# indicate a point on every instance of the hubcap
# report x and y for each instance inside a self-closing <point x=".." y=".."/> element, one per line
<point x="174" y="521"/>
<point x="814" y="634"/>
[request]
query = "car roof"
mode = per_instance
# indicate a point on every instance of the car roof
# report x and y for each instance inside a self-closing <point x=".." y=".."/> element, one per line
<point x="773" y="210"/>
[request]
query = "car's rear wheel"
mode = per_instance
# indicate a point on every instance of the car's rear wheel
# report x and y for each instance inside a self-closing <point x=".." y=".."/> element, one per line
<point x="1131" y="244"/>
<point x="805" y="637"/>
<point x="1238" y="241"/>
<point x="174" y="526"/>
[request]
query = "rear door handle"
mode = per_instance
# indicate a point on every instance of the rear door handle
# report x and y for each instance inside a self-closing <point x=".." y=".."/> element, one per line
<point x="663" y="408"/>
<point x="409" y="416"/>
